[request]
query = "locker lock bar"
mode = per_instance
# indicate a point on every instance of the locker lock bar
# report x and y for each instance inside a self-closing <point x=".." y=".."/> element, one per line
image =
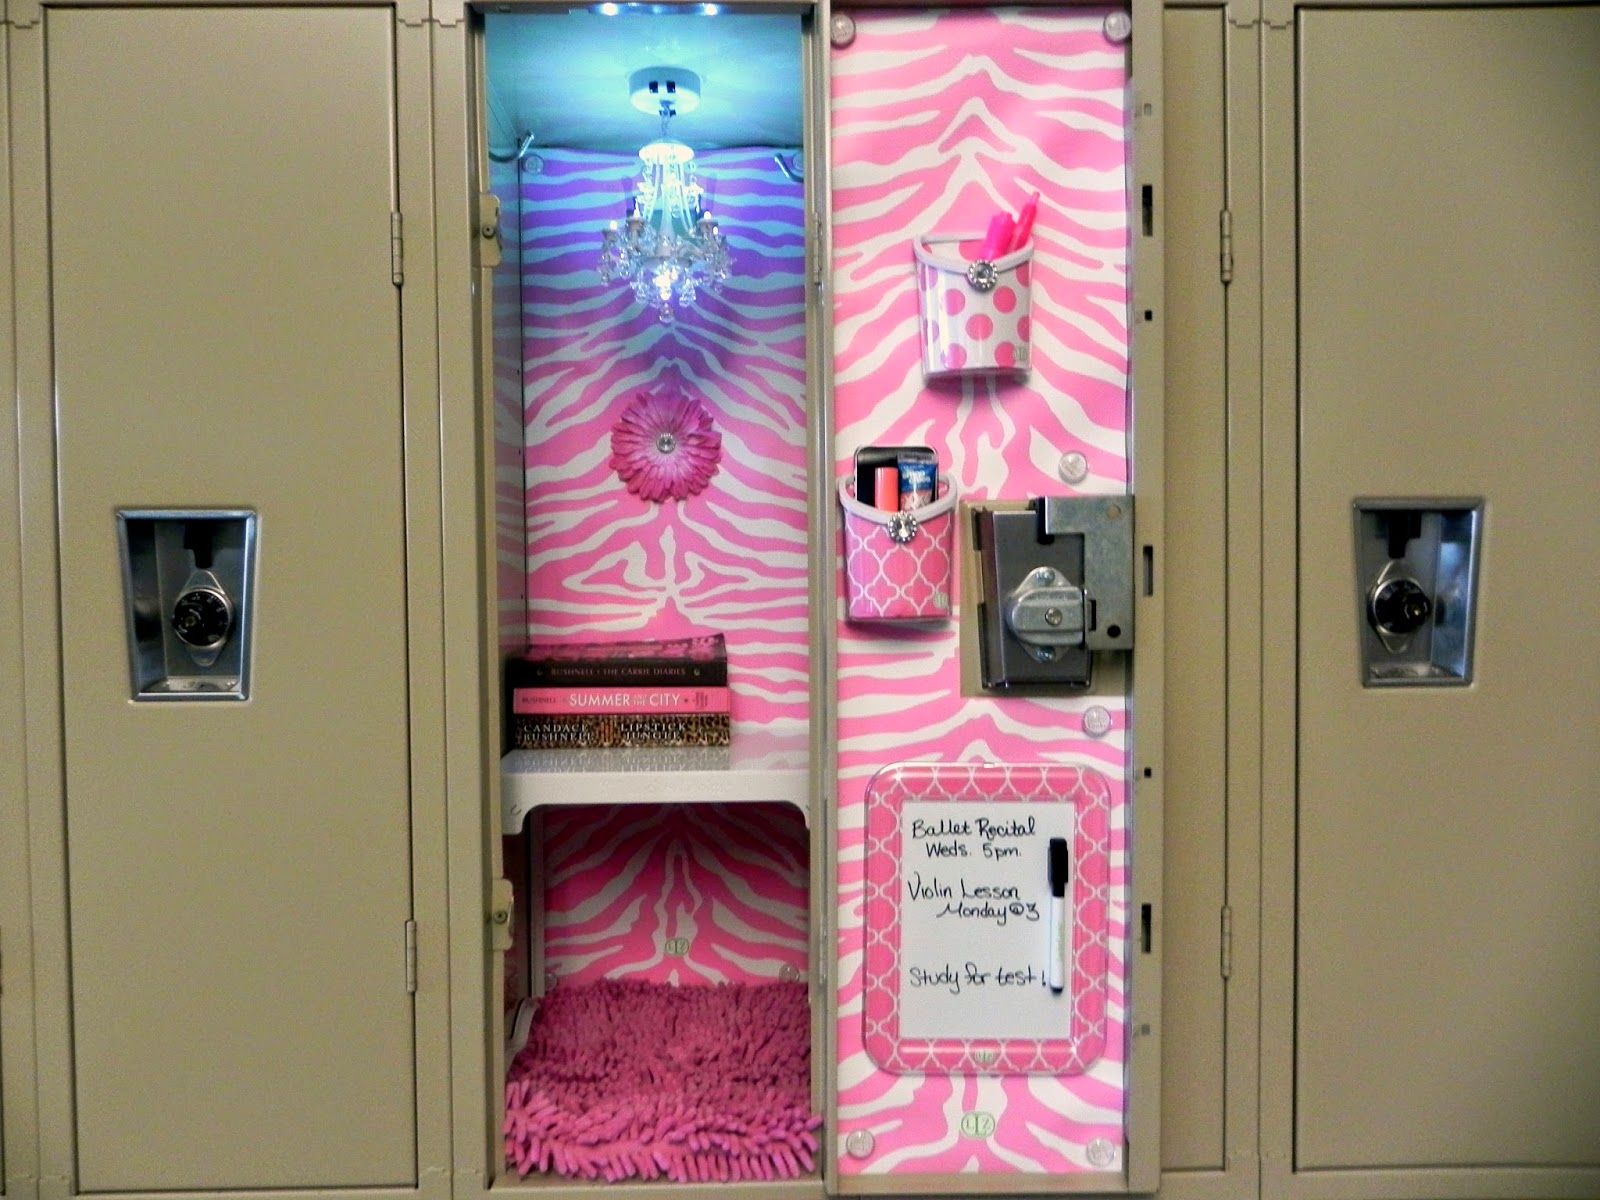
<point x="1046" y="611"/>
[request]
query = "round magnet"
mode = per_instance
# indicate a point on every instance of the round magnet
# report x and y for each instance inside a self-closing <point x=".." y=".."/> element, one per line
<point x="1101" y="1152"/>
<point x="1073" y="467"/>
<point x="859" y="1144"/>
<point x="1096" y="721"/>
<point x="1119" y="26"/>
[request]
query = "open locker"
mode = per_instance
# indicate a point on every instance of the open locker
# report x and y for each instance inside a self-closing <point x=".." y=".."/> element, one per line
<point x="652" y="334"/>
<point x="668" y="468"/>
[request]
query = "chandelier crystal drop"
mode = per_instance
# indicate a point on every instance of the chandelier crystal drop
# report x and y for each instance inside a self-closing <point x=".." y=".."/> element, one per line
<point x="667" y="247"/>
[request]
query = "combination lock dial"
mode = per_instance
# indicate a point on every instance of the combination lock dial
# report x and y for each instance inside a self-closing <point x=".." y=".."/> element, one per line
<point x="1399" y="607"/>
<point x="202" y="617"/>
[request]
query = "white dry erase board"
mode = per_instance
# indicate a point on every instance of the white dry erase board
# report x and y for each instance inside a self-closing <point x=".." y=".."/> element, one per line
<point x="958" y="934"/>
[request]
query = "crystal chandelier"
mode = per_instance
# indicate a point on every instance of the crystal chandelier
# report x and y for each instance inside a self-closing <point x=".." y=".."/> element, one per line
<point x="667" y="247"/>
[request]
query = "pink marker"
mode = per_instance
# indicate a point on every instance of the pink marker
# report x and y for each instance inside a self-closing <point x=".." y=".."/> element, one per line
<point x="999" y="237"/>
<point x="1024" y="228"/>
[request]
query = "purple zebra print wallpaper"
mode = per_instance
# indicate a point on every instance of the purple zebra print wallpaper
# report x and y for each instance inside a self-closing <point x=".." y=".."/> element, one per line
<point x="941" y="119"/>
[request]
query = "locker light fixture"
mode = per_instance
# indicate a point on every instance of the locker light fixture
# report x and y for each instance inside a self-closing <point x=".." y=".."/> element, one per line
<point x="667" y="247"/>
<point x="610" y="9"/>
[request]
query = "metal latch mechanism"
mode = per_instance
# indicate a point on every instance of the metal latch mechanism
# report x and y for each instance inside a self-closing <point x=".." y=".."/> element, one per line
<point x="1057" y="589"/>
<point x="486" y="246"/>
<point x="1045" y="611"/>
<point x="502" y="914"/>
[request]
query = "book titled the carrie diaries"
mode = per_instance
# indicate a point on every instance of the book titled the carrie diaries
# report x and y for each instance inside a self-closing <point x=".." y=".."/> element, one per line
<point x="639" y="693"/>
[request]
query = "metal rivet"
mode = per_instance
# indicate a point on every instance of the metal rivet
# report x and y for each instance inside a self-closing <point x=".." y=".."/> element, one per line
<point x="860" y="1143"/>
<point x="1101" y="1152"/>
<point x="1113" y="511"/>
<point x="842" y="30"/>
<point x="1073" y="467"/>
<point x="1118" y="26"/>
<point x="1052" y="616"/>
<point x="1096" y="721"/>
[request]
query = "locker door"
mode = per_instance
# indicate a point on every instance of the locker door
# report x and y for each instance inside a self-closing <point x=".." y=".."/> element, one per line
<point x="16" y="998"/>
<point x="1447" y="897"/>
<point x="226" y="335"/>
<point x="1212" y="416"/>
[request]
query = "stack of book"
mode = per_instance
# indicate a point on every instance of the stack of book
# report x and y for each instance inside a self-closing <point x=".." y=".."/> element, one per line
<point x="607" y="694"/>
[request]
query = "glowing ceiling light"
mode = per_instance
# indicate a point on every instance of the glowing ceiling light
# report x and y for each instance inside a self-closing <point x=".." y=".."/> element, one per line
<point x="667" y="247"/>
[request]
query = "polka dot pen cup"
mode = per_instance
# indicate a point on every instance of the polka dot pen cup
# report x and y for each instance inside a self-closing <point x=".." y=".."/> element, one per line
<point x="975" y="314"/>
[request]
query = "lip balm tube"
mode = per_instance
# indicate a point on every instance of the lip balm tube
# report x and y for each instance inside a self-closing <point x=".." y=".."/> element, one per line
<point x="886" y="489"/>
<point x="916" y="484"/>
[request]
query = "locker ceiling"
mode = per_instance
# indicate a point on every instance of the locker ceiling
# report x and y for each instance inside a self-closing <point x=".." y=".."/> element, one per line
<point x="563" y="77"/>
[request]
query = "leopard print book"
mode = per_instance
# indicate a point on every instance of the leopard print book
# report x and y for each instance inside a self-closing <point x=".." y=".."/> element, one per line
<point x="594" y="730"/>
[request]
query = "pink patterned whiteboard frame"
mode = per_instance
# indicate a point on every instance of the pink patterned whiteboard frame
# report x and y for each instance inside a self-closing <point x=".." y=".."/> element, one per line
<point x="998" y="783"/>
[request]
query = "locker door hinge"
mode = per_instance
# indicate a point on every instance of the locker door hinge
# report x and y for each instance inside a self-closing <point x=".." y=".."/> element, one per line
<point x="1225" y="223"/>
<point x="397" y="250"/>
<point x="819" y="274"/>
<point x="502" y="907"/>
<point x="825" y="952"/>
<point x="20" y="14"/>
<point x="486" y="249"/>
<point x="1261" y="14"/>
<point x="411" y="958"/>
<point x="1227" y="942"/>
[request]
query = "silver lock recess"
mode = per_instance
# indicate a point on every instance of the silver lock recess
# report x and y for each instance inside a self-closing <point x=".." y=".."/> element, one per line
<point x="187" y="580"/>
<point x="1417" y="590"/>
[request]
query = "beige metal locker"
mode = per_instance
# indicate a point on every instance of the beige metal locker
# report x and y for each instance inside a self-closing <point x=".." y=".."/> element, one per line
<point x="1437" y="843"/>
<point x="18" y="1170"/>
<point x="1208" y="1129"/>
<point x="229" y="894"/>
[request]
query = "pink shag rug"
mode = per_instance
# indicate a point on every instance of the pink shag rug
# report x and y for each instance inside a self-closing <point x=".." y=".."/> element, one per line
<point x="625" y="1080"/>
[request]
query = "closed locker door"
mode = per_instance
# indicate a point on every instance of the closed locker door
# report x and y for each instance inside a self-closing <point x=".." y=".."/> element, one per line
<point x="16" y="1031"/>
<point x="1195" y="812"/>
<point x="226" y="333"/>
<point x="1447" y="1014"/>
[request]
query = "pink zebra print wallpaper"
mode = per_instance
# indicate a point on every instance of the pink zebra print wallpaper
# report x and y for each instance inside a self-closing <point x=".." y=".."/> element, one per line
<point x="604" y="563"/>
<point x="696" y="894"/>
<point x="941" y="119"/>
<point x="684" y="894"/>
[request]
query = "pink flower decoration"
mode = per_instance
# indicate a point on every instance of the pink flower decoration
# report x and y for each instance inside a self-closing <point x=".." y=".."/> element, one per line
<point x="665" y="447"/>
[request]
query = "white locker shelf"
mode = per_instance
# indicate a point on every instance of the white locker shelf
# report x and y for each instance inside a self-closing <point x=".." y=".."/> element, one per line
<point x="758" y="768"/>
